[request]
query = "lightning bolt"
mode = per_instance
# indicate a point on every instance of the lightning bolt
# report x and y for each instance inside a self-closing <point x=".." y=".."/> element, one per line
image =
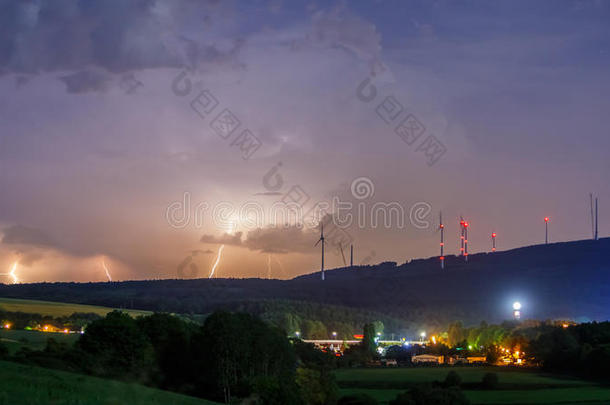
<point x="217" y="261"/>
<point x="106" y="270"/>
<point x="12" y="273"/>
<point x="269" y="266"/>
<point x="281" y="266"/>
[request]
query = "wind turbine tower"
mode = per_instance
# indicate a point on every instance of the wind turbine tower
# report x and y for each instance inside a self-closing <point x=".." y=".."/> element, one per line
<point x="465" y="241"/>
<point x="596" y="229"/>
<point x="461" y="236"/>
<point x="441" y="227"/>
<point x="321" y="240"/>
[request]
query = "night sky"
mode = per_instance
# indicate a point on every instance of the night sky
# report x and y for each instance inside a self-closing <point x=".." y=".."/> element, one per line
<point x="113" y="113"/>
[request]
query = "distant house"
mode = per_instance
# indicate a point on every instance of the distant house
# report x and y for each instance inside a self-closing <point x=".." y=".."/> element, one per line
<point x="467" y="360"/>
<point x="427" y="359"/>
<point x="456" y="360"/>
<point x="389" y="362"/>
<point x="476" y="359"/>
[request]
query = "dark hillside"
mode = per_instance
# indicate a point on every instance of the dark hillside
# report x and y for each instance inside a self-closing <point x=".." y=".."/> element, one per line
<point x="560" y="280"/>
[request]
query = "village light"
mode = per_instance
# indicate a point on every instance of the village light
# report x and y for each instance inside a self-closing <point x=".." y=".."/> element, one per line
<point x="517" y="310"/>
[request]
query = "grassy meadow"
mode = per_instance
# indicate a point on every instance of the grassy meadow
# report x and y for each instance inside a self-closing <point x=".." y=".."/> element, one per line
<point x="57" y="309"/>
<point x="33" y="339"/>
<point x="516" y="386"/>
<point x="27" y="385"/>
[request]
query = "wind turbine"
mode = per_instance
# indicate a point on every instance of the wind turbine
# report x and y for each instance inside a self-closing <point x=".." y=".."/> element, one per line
<point x="441" y="228"/>
<point x="466" y="241"/>
<point x="321" y="240"/>
<point x="342" y="254"/>
<point x="462" y="222"/>
<point x="594" y="229"/>
<point x="592" y="217"/>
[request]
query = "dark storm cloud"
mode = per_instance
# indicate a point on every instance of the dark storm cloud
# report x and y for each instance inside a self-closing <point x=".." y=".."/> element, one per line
<point x="291" y="239"/>
<point x="115" y="36"/>
<point x="271" y="239"/>
<point x="196" y="252"/>
<point x="23" y="235"/>
<point x="85" y="81"/>
<point x="224" y="239"/>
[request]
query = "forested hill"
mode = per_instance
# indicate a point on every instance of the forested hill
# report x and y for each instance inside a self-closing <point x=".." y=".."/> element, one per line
<point x="560" y="280"/>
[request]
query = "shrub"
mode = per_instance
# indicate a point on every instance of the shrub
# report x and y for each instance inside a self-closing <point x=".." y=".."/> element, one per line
<point x="490" y="381"/>
<point x="427" y="395"/>
<point x="357" y="399"/>
<point x="453" y="379"/>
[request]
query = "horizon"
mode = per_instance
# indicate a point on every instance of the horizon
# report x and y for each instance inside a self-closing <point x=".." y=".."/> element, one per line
<point x="433" y="259"/>
<point x="193" y="140"/>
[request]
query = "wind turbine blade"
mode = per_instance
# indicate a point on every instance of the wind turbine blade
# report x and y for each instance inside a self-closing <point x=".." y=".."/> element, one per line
<point x="317" y="242"/>
<point x="592" y="220"/>
<point x="343" y="255"/>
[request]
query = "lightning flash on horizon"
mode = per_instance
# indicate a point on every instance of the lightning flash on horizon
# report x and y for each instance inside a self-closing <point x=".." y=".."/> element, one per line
<point x="106" y="270"/>
<point x="283" y="271"/>
<point x="217" y="261"/>
<point x="269" y="266"/>
<point x="12" y="274"/>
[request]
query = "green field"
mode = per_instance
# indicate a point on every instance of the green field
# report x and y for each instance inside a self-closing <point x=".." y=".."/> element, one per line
<point x="468" y="374"/>
<point x="516" y="386"/>
<point x="57" y="309"/>
<point x="32" y="339"/>
<point x="26" y="385"/>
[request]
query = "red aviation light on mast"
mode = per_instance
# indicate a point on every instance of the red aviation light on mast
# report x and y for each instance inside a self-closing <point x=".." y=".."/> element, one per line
<point x="546" y="219"/>
<point x="493" y="235"/>
<point x="441" y="227"/>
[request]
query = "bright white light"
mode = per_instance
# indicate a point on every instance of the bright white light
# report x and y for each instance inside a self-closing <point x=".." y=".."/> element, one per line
<point x="12" y="274"/>
<point x="517" y="306"/>
<point x="106" y="270"/>
<point x="423" y="334"/>
<point x="217" y="261"/>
